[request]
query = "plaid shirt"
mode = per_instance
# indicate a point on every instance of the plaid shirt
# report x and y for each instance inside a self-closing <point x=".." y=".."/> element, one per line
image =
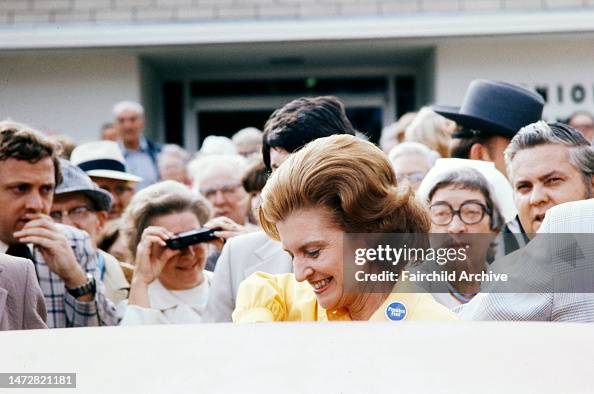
<point x="63" y="310"/>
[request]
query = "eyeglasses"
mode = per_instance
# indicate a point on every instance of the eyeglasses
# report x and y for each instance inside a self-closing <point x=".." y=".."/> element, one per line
<point x="412" y="177"/>
<point x="225" y="189"/>
<point x="470" y="212"/>
<point x="75" y="213"/>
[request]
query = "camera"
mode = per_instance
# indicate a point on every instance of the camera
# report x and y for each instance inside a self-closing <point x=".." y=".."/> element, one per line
<point x="189" y="238"/>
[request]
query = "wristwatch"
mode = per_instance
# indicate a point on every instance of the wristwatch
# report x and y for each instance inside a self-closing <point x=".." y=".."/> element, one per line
<point x="89" y="287"/>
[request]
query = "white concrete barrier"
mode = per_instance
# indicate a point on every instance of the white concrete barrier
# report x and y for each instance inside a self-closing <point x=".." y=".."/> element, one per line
<point x="357" y="358"/>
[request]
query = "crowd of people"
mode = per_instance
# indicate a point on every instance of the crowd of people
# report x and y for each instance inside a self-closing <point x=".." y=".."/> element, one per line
<point x="86" y="230"/>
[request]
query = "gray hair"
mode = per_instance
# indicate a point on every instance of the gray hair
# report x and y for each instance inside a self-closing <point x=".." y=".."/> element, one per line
<point x="581" y="152"/>
<point x="127" y="106"/>
<point x="174" y="150"/>
<point x="469" y="178"/>
<point x="248" y="135"/>
<point x="413" y="148"/>
<point x="205" y="166"/>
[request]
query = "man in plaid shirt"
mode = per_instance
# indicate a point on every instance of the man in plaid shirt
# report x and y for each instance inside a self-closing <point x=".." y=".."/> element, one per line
<point x="64" y="258"/>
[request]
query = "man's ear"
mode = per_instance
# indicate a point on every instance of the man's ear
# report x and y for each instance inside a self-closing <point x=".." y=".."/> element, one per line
<point x="479" y="152"/>
<point x="102" y="218"/>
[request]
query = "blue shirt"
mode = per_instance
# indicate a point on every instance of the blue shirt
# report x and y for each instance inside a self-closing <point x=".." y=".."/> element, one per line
<point x="142" y="162"/>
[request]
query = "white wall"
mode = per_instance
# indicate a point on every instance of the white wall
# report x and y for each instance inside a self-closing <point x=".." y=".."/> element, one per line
<point x="341" y="357"/>
<point x="560" y="63"/>
<point x="70" y="93"/>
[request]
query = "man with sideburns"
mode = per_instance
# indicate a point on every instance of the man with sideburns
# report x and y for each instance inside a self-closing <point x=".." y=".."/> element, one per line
<point x="64" y="259"/>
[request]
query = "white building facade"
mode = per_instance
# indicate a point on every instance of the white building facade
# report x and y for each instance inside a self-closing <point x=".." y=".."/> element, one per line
<point x="205" y="67"/>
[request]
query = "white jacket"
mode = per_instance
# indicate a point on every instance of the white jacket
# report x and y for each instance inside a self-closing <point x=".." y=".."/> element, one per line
<point x="169" y="306"/>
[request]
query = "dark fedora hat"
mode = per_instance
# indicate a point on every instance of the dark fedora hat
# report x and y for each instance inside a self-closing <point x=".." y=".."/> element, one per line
<point x="494" y="108"/>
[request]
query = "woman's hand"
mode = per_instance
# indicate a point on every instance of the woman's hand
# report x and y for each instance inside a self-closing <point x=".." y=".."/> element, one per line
<point x="226" y="228"/>
<point x="152" y="254"/>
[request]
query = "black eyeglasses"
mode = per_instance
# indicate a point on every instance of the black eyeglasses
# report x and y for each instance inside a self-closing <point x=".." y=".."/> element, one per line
<point x="470" y="212"/>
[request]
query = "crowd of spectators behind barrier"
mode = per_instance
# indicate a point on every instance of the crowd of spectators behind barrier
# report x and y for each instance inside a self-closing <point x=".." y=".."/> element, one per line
<point x="88" y="223"/>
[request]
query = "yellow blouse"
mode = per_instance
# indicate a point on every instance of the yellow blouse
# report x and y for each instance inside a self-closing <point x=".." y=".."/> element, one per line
<point x="265" y="297"/>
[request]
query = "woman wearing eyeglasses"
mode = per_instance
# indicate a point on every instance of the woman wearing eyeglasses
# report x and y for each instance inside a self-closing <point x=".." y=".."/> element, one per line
<point x="461" y="204"/>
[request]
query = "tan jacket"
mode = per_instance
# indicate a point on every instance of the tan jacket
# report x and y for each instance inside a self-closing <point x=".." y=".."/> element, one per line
<point x="22" y="305"/>
<point x="116" y="285"/>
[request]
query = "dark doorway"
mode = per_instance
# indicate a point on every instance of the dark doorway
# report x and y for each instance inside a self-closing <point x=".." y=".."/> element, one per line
<point x="368" y="102"/>
<point x="367" y="120"/>
<point x="227" y="123"/>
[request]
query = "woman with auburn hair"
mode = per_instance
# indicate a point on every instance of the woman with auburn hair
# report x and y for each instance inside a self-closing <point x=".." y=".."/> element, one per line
<point x="334" y="186"/>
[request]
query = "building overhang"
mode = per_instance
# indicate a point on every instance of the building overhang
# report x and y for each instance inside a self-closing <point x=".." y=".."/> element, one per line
<point x="53" y="36"/>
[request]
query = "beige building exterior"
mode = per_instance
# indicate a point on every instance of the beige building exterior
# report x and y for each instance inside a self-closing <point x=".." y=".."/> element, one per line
<point x="211" y="66"/>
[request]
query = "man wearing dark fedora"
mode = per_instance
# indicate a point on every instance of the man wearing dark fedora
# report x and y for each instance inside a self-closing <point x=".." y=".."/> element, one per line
<point x="491" y="114"/>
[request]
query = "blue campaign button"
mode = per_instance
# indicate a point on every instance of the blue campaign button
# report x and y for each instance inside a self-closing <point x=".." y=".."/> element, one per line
<point x="396" y="311"/>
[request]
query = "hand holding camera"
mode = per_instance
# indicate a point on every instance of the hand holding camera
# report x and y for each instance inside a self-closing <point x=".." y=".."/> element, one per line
<point x="152" y="254"/>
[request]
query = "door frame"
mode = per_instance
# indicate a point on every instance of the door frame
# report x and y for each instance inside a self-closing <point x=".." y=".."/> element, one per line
<point x="385" y="100"/>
